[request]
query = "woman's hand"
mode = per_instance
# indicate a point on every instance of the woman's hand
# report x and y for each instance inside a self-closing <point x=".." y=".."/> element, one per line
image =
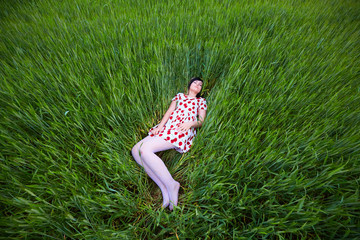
<point x="184" y="127"/>
<point x="156" y="130"/>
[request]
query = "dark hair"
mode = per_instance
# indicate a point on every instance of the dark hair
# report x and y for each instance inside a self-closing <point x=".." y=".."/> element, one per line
<point x="191" y="81"/>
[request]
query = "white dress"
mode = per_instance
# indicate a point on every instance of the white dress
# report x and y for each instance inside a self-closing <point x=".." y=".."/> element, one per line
<point x="186" y="110"/>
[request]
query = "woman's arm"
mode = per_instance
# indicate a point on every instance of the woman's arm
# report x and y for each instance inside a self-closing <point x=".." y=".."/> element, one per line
<point x="202" y="115"/>
<point x="187" y="125"/>
<point x="167" y="114"/>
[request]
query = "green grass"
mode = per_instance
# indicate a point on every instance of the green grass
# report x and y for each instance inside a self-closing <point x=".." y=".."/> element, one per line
<point x="81" y="82"/>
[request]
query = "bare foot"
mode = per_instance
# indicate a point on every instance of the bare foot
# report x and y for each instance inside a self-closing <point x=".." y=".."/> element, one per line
<point x="166" y="200"/>
<point x="165" y="203"/>
<point x="173" y="194"/>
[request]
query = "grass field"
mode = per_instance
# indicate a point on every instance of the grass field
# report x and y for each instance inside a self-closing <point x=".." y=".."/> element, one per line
<point x="82" y="81"/>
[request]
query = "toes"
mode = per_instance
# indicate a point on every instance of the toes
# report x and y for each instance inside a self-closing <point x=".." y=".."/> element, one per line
<point x="165" y="204"/>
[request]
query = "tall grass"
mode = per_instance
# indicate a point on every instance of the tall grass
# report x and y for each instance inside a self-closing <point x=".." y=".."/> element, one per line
<point x="83" y="81"/>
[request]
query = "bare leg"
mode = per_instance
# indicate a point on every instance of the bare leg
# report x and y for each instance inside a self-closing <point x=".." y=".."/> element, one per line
<point x="136" y="154"/>
<point x="157" y="166"/>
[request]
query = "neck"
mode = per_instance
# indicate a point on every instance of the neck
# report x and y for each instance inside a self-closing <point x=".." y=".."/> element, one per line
<point x="191" y="94"/>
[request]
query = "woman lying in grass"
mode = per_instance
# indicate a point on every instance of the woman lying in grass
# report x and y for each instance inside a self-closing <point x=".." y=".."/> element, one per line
<point x="176" y="130"/>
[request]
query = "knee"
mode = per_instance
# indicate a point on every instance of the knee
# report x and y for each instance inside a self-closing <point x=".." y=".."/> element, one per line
<point x="135" y="150"/>
<point x="138" y="149"/>
<point x="144" y="148"/>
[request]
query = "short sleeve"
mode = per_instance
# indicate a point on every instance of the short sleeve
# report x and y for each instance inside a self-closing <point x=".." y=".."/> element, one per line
<point x="176" y="97"/>
<point x="203" y="104"/>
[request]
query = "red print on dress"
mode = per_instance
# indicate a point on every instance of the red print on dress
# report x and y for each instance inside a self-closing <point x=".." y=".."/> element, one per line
<point x="185" y="112"/>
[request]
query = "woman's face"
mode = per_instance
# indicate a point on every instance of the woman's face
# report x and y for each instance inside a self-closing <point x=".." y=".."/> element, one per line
<point x="196" y="86"/>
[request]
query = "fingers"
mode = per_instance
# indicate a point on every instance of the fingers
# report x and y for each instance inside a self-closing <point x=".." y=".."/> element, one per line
<point x="155" y="131"/>
<point x="181" y="129"/>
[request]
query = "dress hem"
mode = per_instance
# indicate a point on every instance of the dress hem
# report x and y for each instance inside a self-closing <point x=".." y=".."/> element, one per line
<point x="178" y="149"/>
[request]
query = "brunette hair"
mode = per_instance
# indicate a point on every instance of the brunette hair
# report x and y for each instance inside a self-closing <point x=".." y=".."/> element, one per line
<point x="191" y="81"/>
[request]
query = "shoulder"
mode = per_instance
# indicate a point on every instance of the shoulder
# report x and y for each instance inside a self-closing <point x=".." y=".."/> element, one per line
<point x="202" y="103"/>
<point x="181" y="95"/>
<point x="177" y="97"/>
